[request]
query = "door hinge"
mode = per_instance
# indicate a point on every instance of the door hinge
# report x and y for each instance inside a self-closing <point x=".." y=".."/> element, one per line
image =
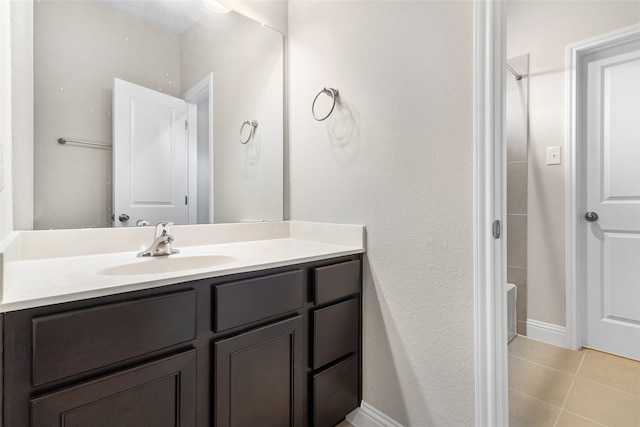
<point x="186" y="200"/>
<point x="496" y="229"/>
<point x="186" y="125"/>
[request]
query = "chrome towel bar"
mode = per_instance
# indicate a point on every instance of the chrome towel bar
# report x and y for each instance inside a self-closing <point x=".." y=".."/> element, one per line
<point x="91" y="144"/>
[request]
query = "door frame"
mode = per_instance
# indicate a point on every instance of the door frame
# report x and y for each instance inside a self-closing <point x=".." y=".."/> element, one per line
<point x="203" y="90"/>
<point x="489" y="163"/>
<point x="575" y="158"/>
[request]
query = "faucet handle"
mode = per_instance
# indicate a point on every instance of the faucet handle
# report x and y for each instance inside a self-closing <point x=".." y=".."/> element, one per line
<point x="163" y="228"/>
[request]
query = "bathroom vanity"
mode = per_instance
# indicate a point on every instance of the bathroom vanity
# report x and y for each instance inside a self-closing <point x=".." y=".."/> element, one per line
<point x="250" y="342"/>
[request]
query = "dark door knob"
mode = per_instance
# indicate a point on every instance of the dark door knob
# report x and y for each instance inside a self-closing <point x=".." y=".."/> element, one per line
<point x="591" y="216"/>
<point x="123" y="217"/>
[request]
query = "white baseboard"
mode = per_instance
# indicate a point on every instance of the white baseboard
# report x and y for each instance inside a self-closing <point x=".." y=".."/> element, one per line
<point x="547" y="332"/>
<point x="368" y="416"/>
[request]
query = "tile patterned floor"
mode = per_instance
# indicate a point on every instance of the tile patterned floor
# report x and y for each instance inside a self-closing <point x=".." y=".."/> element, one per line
<point x="556" y="387"/>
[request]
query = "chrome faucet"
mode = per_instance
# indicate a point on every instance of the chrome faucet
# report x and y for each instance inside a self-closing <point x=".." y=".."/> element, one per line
<point x="162" y="243"/>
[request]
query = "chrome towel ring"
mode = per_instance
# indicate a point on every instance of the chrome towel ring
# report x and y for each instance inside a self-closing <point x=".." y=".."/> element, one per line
<point x="331" y="92"/>
<point x="253" y="124"/>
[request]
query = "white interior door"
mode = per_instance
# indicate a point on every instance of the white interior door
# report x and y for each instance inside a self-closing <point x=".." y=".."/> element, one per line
<point x="149" y="156"/>
<point x="613" y="193"/>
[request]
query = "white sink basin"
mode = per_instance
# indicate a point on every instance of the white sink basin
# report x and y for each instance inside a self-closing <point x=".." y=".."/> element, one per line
<point x="167" y="264"/>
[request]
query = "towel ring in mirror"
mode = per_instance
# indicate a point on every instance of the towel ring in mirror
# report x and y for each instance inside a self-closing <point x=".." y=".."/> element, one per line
<point x="253" y="124"/>
<point x="329" y="91"/>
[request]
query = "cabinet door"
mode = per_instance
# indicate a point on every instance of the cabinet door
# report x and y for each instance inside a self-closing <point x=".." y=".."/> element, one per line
<point x="258" y="377"/>
<point x="159" y="394"/>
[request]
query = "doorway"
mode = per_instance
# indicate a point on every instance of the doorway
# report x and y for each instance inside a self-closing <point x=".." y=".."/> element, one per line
<point x="199" y="100"/>
<point x="490" y="206"/>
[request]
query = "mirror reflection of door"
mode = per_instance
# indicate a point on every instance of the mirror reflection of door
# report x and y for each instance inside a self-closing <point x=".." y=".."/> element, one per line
<point x="149" y="156"/>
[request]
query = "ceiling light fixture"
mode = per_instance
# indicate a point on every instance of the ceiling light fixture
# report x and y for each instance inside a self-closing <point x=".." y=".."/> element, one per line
<point x="216" y="7"/>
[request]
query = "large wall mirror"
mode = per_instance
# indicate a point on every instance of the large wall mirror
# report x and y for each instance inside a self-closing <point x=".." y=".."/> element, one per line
<point x="223" y="159"/>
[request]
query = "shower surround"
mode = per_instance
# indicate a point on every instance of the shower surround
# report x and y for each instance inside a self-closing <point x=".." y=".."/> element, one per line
<point x="517" y="110"/>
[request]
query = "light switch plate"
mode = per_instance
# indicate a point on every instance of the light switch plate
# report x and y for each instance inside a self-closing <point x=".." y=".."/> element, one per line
<point x="553" y="155"/>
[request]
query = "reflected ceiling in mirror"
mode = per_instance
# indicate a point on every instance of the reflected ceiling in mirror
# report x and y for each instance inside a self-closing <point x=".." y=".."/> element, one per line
<point x="80" y="47"/>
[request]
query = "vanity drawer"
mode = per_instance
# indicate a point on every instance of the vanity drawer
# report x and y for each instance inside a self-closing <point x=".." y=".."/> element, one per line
<point x="335" y="331"/>
<point x="70" y="343"/>
<point x="159" y="394"/>
<point x="246" y="301"/>
<point x="335" y="392"/>
<point x="336" y="281"/>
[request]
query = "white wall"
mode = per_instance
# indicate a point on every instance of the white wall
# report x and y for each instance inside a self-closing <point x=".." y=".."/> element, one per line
<point x="543" y="30"/>
<point x="79" y="47"/>
<point x="397" y="157"/>
<point x="247" y="64"/>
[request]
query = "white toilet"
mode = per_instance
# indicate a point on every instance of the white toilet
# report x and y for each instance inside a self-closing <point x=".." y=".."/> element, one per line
<point x="511" y="311"/>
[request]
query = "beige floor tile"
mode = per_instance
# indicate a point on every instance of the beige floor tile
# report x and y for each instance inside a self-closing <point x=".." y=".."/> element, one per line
<point x="554" y="357"/>
<point x="345" y="423"/>
<point x="614" y="371"/>
<point x="525" y="411"/>
<point x="537" y="381"/>
<point x="570" y="420"/>
<point x="603" y="404"/>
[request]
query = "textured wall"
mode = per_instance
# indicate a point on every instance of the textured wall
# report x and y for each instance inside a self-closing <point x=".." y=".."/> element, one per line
<point x="396" y="156"/>
<point x="543" y="30"/>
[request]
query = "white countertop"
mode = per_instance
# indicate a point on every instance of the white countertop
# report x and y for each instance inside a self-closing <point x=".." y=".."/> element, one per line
<point x="50" y="267"/>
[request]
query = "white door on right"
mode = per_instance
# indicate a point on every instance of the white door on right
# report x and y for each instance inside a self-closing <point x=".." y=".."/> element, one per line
<point x="613" y="199"/>
<point x="149" y="156"/>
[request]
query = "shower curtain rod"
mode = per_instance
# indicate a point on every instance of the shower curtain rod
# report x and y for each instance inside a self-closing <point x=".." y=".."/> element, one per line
<point x="515" y="74"/>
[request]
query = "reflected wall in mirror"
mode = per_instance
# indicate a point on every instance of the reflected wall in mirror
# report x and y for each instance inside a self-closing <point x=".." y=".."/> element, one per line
<point x="80" y="47"/>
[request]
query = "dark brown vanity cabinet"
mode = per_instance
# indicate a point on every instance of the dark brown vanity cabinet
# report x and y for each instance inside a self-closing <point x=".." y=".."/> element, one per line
<point x="279" y="347"/>
<point x="335" y="342"/>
